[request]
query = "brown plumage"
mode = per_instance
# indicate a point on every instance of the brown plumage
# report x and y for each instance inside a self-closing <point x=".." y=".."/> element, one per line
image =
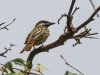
<point x="38" y="35"/>
<point x="27" y="47"/>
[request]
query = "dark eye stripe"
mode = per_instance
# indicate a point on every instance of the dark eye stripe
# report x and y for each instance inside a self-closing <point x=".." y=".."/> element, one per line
<point x="42" y="22"/>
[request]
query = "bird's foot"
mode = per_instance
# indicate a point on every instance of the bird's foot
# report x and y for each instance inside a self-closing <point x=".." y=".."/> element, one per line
<point x="34" y="47"/>
<point x="42" y="44"/>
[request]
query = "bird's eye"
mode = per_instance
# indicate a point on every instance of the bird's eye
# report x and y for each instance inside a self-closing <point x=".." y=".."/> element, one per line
<point x="43" y="21"/>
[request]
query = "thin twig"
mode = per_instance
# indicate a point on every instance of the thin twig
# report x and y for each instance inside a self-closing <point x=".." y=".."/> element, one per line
<point x="88" y="20"/>
<point x="63" y="15"/>
<point x="92" y="37"/>
<point x="70" y="65"/>
<point x="2" y="23"/>
<point x="91" y="34"/>
<point x="77" y="41"/>
<point x="5" y="27"/>
<point x="83" y="35"/>
<point x="70" y="17"/>
<point x="93" y="7"/>
<point x="7" y="49"/>
<point x="71" y="7"/>
<point x="75" y="10"/>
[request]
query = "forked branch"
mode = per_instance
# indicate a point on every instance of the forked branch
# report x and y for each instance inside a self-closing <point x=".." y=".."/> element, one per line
<point x="70" y="34"/>
<point x="5" y="27"/>
<point x="6" y="50"/>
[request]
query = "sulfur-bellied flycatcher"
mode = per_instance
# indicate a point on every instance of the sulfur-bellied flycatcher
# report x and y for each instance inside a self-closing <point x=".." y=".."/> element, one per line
<point x="38" y="35"/>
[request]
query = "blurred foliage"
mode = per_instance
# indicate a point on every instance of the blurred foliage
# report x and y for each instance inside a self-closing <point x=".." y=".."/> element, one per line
<point x="40" y="67"/>
<point x="69" y="73"/>
<point x="7" y="69"/>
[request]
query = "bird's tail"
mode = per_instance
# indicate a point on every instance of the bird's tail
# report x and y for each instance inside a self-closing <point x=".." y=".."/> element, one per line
<point x="27" y="47"/>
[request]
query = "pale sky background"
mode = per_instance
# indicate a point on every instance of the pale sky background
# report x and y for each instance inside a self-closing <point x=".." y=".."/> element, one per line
<point x="85" y="57"/>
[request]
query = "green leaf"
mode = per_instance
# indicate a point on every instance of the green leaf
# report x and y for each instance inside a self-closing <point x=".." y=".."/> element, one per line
<point x="19" y="61"/>
<point x="2" y="73"/>
<point x="5" y="70"/>
<point x="69" y="73"/>
<point x="27" y="65"/>
<point x="16" y="73"/>
<point x="8" y="65"/>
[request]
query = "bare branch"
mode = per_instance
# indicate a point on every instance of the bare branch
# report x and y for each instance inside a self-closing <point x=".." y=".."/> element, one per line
<point x="66" y="36"/>
<point x="7" y="49"/>
<point x="2" y="23"/>
<point x="92" y="37"/>
<point x="71" y="7"/>
<point x="71" y="65"/>
<point x="77" y="41"/>
<point x="75" y="10"/>
<point x="61" y="17"/>
<point x="5" y="27"/>
<point x="88" y="20"/>
<point x="69" y="18"/>
<point x="83" y="35"/>
<point x="93" y="7"/>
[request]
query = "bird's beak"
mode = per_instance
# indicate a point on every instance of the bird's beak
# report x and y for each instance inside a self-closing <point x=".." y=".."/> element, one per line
<point x="51" y="23"/>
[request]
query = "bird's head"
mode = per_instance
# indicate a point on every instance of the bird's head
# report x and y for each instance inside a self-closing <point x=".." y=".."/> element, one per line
<point x="44" y="23"/>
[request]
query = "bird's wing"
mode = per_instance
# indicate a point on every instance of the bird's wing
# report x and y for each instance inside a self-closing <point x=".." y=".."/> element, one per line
<point x="40" y="33"/>
<point x="29" y="37"/>
<point x="33" y="35"/>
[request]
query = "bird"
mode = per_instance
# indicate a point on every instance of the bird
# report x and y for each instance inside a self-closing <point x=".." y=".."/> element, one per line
<point x="38" y="35"/>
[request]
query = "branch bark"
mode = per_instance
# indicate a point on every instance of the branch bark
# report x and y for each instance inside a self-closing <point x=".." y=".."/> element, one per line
<point x="65" y="36"/>
<point x="71" y="65"/>
<point x="88" y="20"/>
<point x="7" y="49"/>
<point x="5" y="27"/>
